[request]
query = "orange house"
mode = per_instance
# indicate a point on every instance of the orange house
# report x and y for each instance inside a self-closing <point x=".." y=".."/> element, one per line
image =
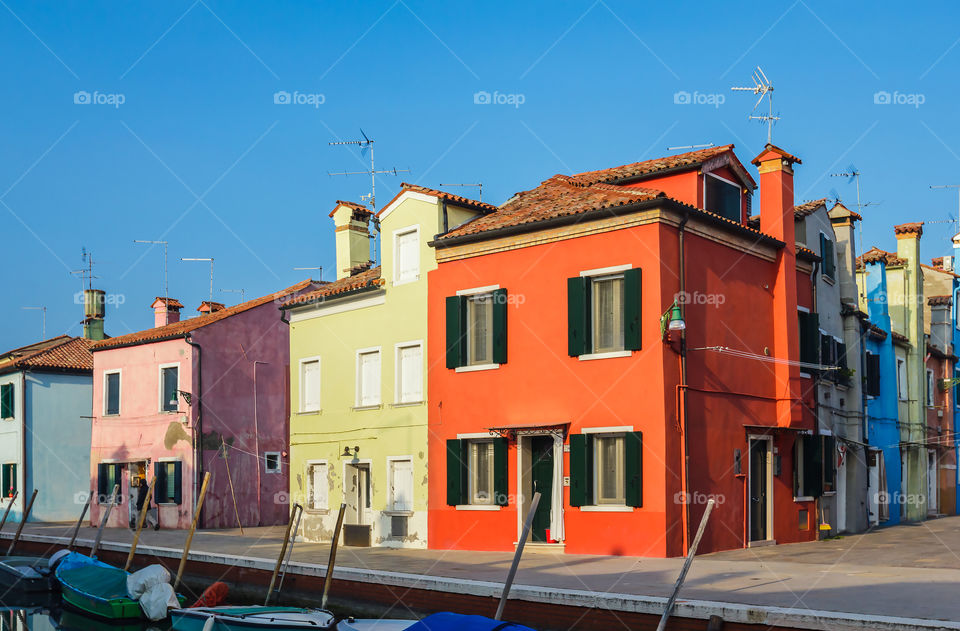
<point x="623" y="343"/>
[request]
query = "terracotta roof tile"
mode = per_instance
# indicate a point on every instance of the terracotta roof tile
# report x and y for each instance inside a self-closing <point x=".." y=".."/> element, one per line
<point x="877" y="332"/>
<point x="172" y="303"/>
<point x="808" y="208"/>
<point x="909" y="228"/>
<point x="369" y="279"/>
<point x="359" y="210"/>
<point x="59" y="353"/>
<point x="940" y="300"/>
<point x="900" y="338"/>
<point x="450" y="197"/>
<point x="180" y="329"/>
<point x="777" y="150"/>
<point x="839" y="210"/>
<point x="636" y="170"/>
<point x="876" y="255"/>
<point x="209" y="305"/>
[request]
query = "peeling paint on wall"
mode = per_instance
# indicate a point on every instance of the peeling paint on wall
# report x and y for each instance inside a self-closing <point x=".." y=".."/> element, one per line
<point x="175" y="433"/>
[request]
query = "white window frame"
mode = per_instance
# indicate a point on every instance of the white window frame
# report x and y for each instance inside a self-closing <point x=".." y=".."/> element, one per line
<point x="471" y="481"/>
<point x="391" y="506"/>
<point x="596" y="469"/>
<point x="160" y="387"/>
<point x="599" y="273"/>
<point x="931" y="400"/>
<point x="303" y="390"/>
<point x="13" y="387"/>
<point x="358" y="390"/>
<point x="398" y="372"/>
<point x="903" y="393"/>
<point x="106" y="398"/>
<point x="474" y="291"/>
<point x="472" y="298"/>
<point x="415" y="229"/>
<point x="279" y="456"/>
<point x="308" y="465"/>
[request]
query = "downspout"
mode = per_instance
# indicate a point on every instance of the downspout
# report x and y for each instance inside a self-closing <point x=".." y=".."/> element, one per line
<point x="684" y="444"/>
<point x="816" y="395"/>
<point x="198" y="433"/>
<point x="23" y="438"/>
<point x="256" y="435"/>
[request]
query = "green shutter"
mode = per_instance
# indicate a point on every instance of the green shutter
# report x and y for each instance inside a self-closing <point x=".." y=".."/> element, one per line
<point x="500" y="472"/>
<point x="500" y="326"/>
<point x="830" y="462"/>
<point x="632" y="287"/>
<point x="581" y="470"/>
<point x="456" y="342"/>
<point x="6" y="481"/>
<point x="634" y="469"/>
<point x="809" y="337"/>
<point x="160" y="486"/>
<point x="812" y="466"/>
<point x="6" y="400"/>
<point x="101" y="480"/>
<point x="455" y="472"/>
<point x="178" y="482"/>
<point x="578" y="324"/>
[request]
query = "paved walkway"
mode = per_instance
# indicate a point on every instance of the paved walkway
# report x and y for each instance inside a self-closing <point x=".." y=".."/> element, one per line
<point x="910" y="571"/>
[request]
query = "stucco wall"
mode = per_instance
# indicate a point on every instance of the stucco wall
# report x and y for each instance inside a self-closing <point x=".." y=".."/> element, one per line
<point x="11" y="443"/>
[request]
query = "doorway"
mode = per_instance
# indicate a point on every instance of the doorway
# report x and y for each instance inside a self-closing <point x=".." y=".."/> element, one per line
<point x="132" y="474"/>
<point x="541" y="477"/>
<point x="932" y="486"/>
<point x="357" y="493"/>
<point x="761" y="484"/>
<point x="540" y="456"/>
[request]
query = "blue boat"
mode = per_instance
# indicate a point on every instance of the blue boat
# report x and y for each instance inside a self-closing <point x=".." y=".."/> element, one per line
<point x="437" y="622"/>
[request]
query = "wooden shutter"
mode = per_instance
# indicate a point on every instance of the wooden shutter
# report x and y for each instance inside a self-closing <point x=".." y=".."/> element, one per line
<point x="581" y="470"/>
<point x="456" y="330"/>
<point x="408" y="256"/>
<point x="812" y="466"/>
<point x="101" y="482"/>
<point x="578" y="321"/>
<point x="873" y="374"/>
<point x="809" y="337"/>
<point x="500" y="472"/>
<point x="634" y="469"/>
<point x="370" y="378"/>
<point x="310" y="385"/>
<point x="456" y="472"/>
<point x="401" y="485"/>
<point x="500" y="326"/>
<point x="160" y="486"/>
<point x="632" y="286"/>
<point x="177" y="482"/>
<point x="411" y="374"/>
<point x="6" y="400"/>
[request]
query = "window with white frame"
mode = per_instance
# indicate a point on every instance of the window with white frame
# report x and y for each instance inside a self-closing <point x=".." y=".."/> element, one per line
<point x="401" y="485"/>
<point x="406" y="257"/>
<point x="606" y="310"/>
<point x="310" y="385"/>
<point x="480" y="472"/>
<point x="368" y="378"/>
<point x="480" y="329"/>
<point x="902" y="379"/>
<point x="409" y="369"/>
<point x="318" y="486"/>
<point x="609" y="460"/>
<point x="169" y="386"/>
<point x="111" y="393"/>
<point x="7" y="409"/>
<point x="930" y="386"/>
<point x="271" y="461"/>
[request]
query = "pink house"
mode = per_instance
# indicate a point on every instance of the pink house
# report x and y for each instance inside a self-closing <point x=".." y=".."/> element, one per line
<point x="208" y="393"/>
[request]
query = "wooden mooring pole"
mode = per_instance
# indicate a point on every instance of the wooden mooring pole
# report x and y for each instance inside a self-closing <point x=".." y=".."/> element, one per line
<point x="83" y="513"/>
<point x="686" y="566"/>
<point x="328" y="576"/>
<point x="193" y="527"/>
<point x="9" y="506"/>
<point x="143" y="515"/>
<point x="283" y="552"/>
<point x="516" y="557"/>
<point x="26" y="515"/>
<point x="103" y="520"/>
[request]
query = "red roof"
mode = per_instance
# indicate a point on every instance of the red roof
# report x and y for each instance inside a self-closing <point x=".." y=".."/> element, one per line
<point x="876" y="255"/>
<point x="808" y="208"/>
<point x="909" y="228"/>
<point x="59" y="353"/>
<point x="358" y="209"/>
<point x="768" y="148"/>
<point x="637" y="170"/>
<point x="940" y="300"/>
<point x="450" y="197"/>
<point x="172" y="303"/>
<point x="369" y="279"/>
<point x="180" y="329"/>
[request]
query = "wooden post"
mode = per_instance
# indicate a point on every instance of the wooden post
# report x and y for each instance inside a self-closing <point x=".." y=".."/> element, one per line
<point x="283" y="552"/>
<point x="83" y="513"/>
<point x="328" y="577"/>
<point x="715" y="623"/>
<point x="686" y="566"/>
<point x="226" y="460"/>
<point x="293" y="540"/>
<point x="9" y="506"/>
<point x="103" y="520"/>
<point x="26" y="514"/>
<point x="516" y="556"/>
<point x="193" y="527"/>
<point x="140" y="520"/>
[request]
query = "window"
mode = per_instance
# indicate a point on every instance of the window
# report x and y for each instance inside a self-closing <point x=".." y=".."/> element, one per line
<point x="271" y="461"/>
<point x="956" y="377"/>
<point x="902" y="379"/>
<point x="401" y="485"/>
<point x="477" y="328"/>
<point x="111" y="393"/>
<point x="814" y="465"/>
<point x="930" y="386"/>
<point x="108" y="476"/>
<point x="603" y="312"/>
<point x="409" y="369"/>
<point x="406" y="257"/>
<point x="169" y="386"/>
<point x="318" y="486"/>
<point x="6" y="400"/>
<point x="722" y="197"/>
<point x="809" y="325"/>
<point x="368" y="378"/>
<point x="606" y="469"/>
<point x="873" y="375"/>
<point x="310" y="385"/>
<point x="829" y="265"/>
<point x="9" y="479"/>
<point x="169" y="476"/>
<point x="477" y="472"/>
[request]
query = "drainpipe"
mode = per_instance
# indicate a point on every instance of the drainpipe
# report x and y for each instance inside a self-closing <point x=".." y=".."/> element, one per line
<point x="816" y="395"/>
<point x="256" y="436"/>
<point x="198" y="433"/>
<point x="684" y="445"/>
<point x="23" y="439"/>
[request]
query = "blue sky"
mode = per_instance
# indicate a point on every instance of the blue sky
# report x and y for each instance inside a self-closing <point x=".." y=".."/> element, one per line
<point x="198" y="153"/>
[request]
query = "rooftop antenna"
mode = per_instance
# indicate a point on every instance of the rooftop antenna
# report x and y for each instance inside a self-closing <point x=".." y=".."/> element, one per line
<point x="210" y="260"/>
<point x="478" y="185"/>
<point x="366" y="145"/>
<point x="853" y="175"/>
<point x="763" y="87"/>
<point x="166" y="286"/>
<point x="709" y="144"/>
<point x="43" y="329"/>
<point x="319" y="267"/>
<point x="953" y="221"/>
<point x="240" y="291"/>
<point x="86" y="272"/>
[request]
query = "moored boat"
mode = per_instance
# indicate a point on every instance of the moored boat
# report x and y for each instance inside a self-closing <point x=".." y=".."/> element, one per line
<point x="445" y="621"/>
<point x="26" y="574"/>
<point x="246" y="618"/>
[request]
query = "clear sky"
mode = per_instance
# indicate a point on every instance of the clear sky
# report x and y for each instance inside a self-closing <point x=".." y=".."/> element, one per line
<point x="134" y="120"/>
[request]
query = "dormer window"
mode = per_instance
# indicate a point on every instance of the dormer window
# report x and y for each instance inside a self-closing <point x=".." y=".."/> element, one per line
<point x="721" y="196"/>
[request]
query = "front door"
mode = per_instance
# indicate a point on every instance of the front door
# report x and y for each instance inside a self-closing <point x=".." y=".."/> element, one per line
<point x="357" y="492"/>
<point x="541" y="475"/>
<point x="759" y="489"/>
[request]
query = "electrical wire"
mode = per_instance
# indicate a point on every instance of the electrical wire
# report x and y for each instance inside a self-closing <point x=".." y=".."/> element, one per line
<point x="726" y="350"/>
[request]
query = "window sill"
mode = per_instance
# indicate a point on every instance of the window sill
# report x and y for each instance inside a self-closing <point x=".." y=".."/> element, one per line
<point x="829" y="493"/>
<point x="610" y="355"/>
<point x="406" y="404"/>
<point x="490" y="507"/>
<point x="477" y="367"/>
<point x="361" y="408"/>
<point x="611" y="508"/>
<point x="803" y="498"/>
<point x="309" y="412"/>
<point x="398" y="513"/>
<point x="806" y="375"/>
<point x="167" y="504"/>
<point x="317" y="511"/>
<point x="828" y="279"/>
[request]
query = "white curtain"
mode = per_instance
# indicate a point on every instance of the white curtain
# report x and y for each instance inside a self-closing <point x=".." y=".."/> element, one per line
<point x="556" y="513"/>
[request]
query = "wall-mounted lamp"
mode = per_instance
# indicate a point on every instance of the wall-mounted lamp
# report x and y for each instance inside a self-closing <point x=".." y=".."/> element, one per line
<point x="186" y="396"/>
<point x="671" y="322"/>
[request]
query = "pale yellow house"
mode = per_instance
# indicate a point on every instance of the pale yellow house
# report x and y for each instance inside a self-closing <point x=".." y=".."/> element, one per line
<point x="358" y="374"/>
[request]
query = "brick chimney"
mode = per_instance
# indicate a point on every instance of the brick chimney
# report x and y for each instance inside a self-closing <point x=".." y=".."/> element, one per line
<point x="940" y="324"/>
<point x="208" y="306"/>
<point x="777" y="220"/>
<point x="844" y="224"/>
<point x="351" y="221"/>
<point x="166" y="310"/>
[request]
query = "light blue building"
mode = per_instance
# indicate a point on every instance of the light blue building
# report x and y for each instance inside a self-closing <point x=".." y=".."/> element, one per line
<point x="46" y="397"/>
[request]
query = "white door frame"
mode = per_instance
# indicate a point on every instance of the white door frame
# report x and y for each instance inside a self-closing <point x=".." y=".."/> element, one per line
<point x="769" y="439"/>
<point x="933" y="482"/>
<point x="556" y="500"/>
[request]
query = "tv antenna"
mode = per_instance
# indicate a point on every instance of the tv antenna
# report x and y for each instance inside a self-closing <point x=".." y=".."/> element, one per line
<point x="478" y="185"/>
<point x="853" y="175"/>
<point x="953" y="221"/>
<point x="709" y="144"/>
<point x="210" y="260"/>
<point x="43" y="325"/>
<point x="240" y="291"/>
<point x="166" y="285"/>
<point x="86" y="272"/>
<point x="763" y="87"/>
<point x="319" y="267"/>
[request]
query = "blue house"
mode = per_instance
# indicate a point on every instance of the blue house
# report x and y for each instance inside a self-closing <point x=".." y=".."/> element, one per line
<point x="46" y="396"/>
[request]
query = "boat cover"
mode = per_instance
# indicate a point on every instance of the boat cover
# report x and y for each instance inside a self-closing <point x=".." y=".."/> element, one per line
<point x="459" y="622"/>
<point x="92" y="577"/>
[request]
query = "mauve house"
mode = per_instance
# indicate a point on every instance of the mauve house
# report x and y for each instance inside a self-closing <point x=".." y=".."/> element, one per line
<point x="208" y="393"/>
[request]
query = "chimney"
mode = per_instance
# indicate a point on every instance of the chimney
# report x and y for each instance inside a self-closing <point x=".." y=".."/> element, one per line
<point x="208" y="306"/>
<point x="844" y="222"/>
<point x="351" y="221"/>
<point x="777" y="220"/>
<point x="93" y="312"/>
<point x="940" y="324"/>
<point x="166" y="310"/>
